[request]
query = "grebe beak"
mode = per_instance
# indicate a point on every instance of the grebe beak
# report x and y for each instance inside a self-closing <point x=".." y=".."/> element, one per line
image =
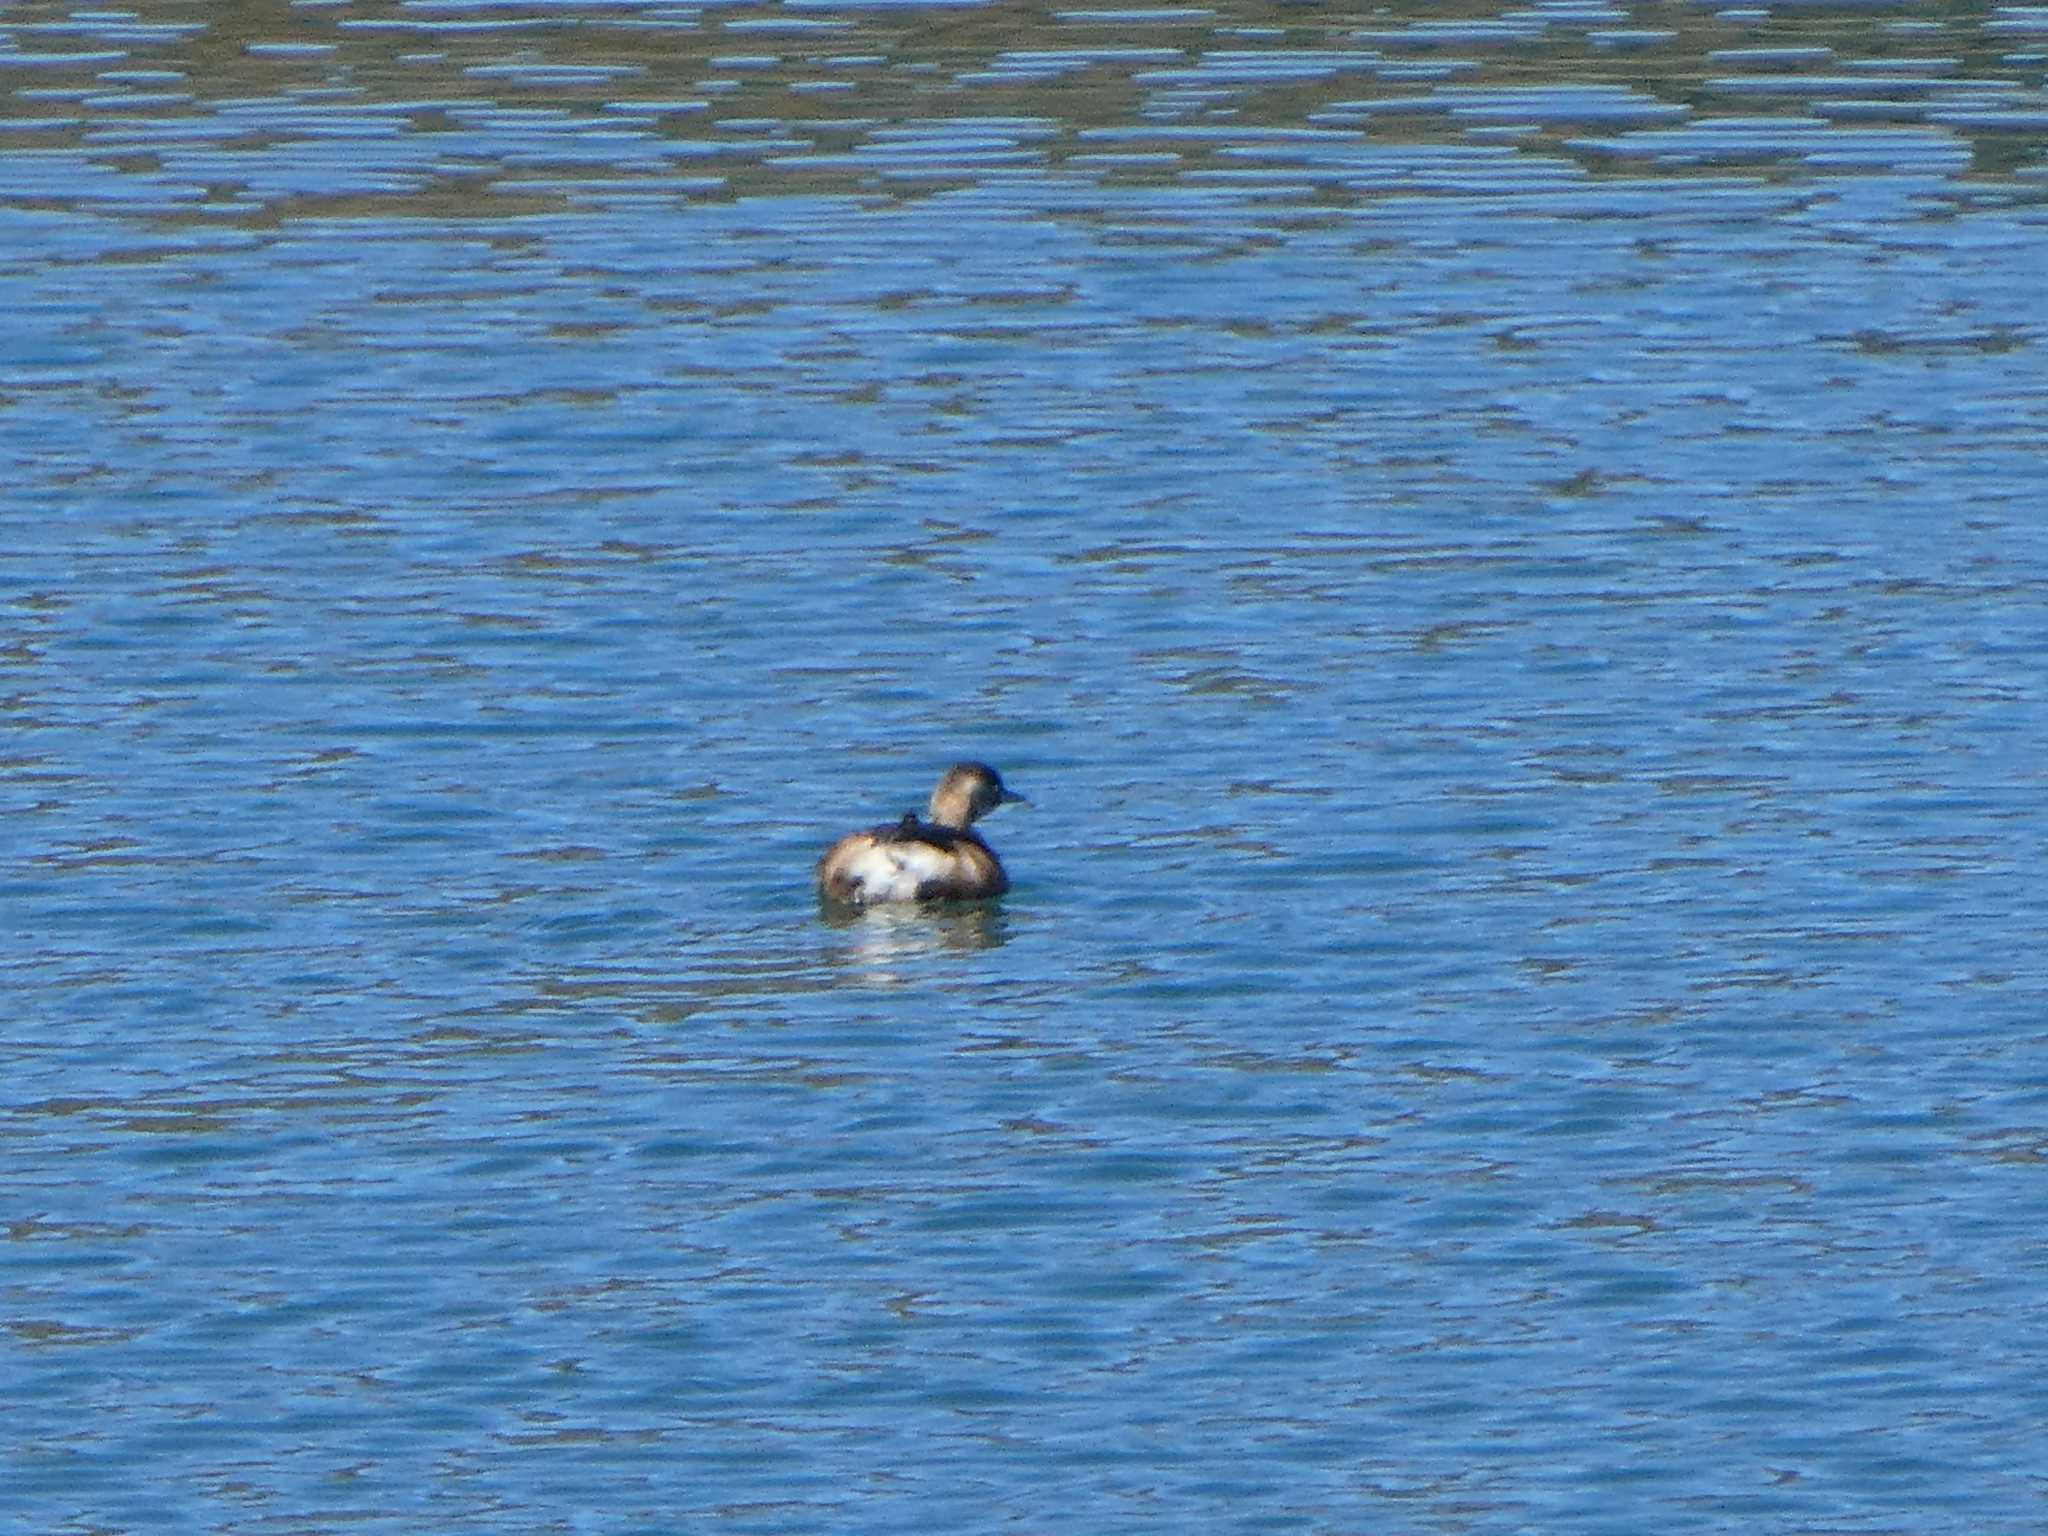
<point x="1011" y="797"/>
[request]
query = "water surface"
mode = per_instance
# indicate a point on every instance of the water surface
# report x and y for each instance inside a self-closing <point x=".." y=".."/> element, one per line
<point x="1503" y="545"/>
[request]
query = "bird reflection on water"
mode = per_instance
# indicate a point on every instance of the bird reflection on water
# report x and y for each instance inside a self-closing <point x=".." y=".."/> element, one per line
<point x="881" y="938"/>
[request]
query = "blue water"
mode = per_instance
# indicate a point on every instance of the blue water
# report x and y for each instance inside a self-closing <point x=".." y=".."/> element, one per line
<point x="1512" y="578"/>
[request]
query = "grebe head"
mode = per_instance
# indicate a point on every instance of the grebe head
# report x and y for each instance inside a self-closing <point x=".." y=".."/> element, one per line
<point x="968" y="790"/>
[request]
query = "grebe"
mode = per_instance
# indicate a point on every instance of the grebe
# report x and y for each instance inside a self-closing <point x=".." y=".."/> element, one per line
<point x="937" y="859"/>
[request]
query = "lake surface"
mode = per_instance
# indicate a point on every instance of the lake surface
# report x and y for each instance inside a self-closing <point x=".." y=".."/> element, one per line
<point x="1507" y="548"/>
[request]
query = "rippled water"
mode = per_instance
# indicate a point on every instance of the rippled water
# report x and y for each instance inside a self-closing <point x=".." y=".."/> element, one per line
<point x="1505" y="546"/>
